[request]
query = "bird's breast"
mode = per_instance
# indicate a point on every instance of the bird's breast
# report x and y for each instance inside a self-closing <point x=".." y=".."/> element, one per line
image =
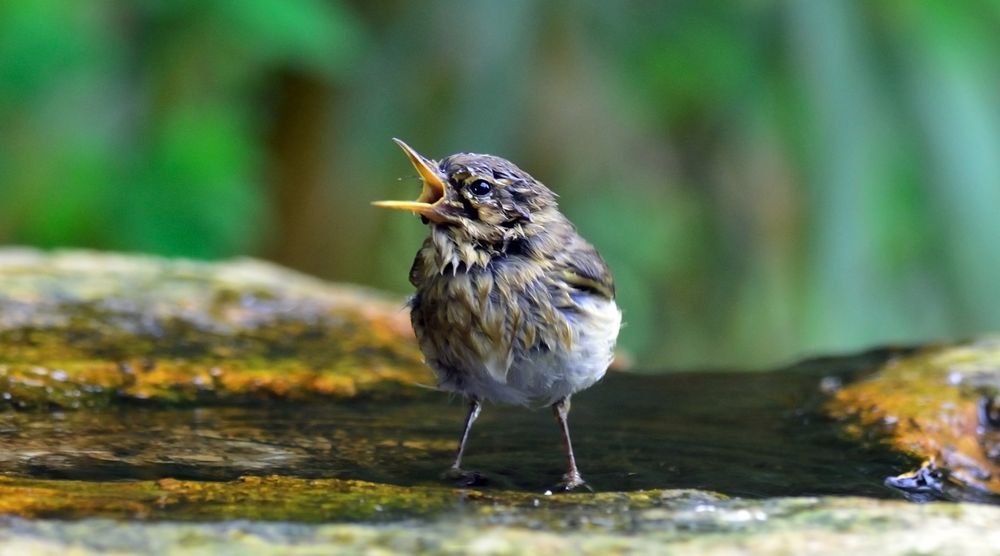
<point x="487" y="318"/>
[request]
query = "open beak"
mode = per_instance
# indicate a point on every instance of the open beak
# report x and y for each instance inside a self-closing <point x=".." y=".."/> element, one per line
<point x="431" y="194"/>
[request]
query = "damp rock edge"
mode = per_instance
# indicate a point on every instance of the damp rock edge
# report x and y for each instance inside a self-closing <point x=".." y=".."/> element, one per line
<point x="775" y="526"/>
<point x="938" y="405"/>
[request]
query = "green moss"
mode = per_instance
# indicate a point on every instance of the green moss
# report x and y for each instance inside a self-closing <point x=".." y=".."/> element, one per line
<point x="277" y="498"/>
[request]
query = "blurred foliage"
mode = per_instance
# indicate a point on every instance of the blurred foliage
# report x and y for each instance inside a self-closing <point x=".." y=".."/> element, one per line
<point x="767" y="179"/>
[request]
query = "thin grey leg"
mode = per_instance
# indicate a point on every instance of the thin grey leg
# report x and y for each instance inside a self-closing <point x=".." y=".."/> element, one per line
<point x="572" y="479"/>
<point x="475" y="406"/>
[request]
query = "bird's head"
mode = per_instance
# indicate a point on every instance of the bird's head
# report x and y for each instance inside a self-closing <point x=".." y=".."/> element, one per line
<point x="485" y="199"/>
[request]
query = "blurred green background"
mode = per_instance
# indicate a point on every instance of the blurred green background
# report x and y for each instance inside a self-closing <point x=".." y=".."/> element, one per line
<point x="768" y="180"/>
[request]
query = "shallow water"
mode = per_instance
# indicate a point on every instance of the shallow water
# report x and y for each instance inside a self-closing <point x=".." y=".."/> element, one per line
<point x="742" y="434"/>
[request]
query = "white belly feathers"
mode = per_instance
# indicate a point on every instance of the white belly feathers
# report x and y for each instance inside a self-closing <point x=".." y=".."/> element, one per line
<point x="547" y="376"/>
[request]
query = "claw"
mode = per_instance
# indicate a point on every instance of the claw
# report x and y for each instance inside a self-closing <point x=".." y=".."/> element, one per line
<point x="572" y="482"/>
<point x="464" y="478"/>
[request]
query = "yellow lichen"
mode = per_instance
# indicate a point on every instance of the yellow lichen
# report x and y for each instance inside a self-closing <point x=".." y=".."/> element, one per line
<point x="919" y="405"/>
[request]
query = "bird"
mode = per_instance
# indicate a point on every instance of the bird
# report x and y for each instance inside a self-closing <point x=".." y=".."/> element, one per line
<point x="511" y="304"/>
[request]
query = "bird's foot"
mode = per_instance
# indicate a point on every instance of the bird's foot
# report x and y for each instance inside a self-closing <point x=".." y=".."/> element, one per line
<point x="464" y="478"/>
<point x="572" y="481"/>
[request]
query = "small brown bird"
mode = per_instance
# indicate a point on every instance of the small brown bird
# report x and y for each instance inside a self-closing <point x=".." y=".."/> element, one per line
<point x="512" y="305"/>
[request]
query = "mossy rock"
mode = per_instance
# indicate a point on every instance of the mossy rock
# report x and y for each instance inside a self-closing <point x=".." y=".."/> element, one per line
<point x="937" y="405"/>
<point x="84" y="329"/>
<point x="261" y="515"/>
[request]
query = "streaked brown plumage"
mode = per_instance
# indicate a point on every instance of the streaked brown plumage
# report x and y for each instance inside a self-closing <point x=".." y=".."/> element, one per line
<point x="512" y="305"/>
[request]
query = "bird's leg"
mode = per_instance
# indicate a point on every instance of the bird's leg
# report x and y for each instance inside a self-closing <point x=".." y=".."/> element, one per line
<point x="572" y="479"/>
<point x="455" y="472"/>
<point x="475" y="406"/>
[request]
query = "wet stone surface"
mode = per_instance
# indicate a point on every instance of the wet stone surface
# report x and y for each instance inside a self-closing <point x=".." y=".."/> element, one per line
<point x="731" y="433"/>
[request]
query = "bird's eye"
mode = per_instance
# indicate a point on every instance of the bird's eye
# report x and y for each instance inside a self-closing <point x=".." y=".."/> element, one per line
<point x="480" y="188"/>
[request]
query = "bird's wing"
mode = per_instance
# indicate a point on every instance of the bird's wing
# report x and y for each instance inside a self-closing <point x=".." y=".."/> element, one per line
<point x="582" y="268"/>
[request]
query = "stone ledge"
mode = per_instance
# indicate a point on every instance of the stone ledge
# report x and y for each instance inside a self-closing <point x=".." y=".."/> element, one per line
<point x="86" y="329"/>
